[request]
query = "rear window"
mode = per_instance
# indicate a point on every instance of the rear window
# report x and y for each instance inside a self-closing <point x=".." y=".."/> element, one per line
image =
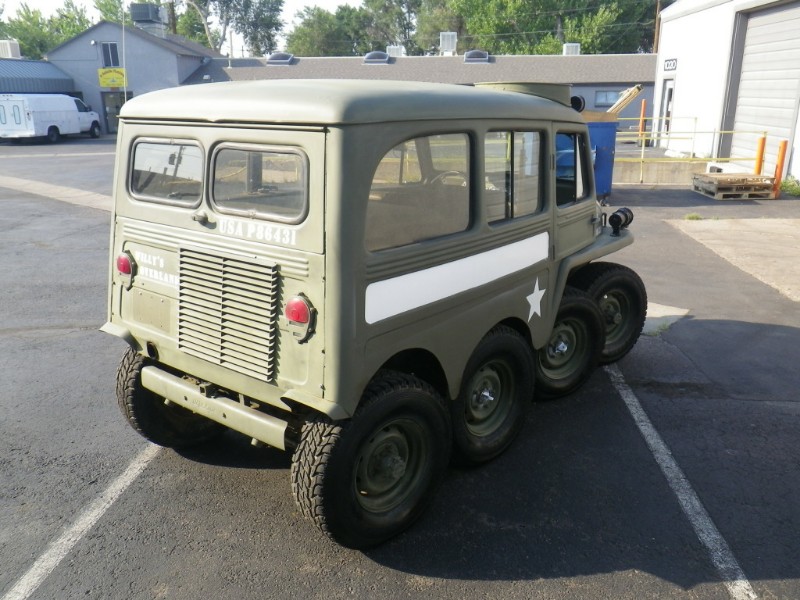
<point x="259" y="182"/>
<point x="169" y="172"/>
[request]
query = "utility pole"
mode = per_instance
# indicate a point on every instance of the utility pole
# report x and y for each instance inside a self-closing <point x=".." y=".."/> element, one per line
<point x="657" y="27"/>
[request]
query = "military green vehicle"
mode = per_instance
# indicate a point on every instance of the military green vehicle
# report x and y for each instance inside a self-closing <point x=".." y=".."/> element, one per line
<point x="378" y="277"/>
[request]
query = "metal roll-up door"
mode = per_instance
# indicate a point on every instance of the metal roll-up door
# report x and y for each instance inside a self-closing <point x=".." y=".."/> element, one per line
<point x="769" y="86"/>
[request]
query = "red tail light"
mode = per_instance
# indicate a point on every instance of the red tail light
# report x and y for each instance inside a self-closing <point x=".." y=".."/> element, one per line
<point x="298" y="310"/>
<point x="125" y="264"/>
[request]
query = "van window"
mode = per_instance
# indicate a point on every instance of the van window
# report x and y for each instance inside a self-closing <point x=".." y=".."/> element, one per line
<point x="17" y="115"/>
<point x="263" y="183"/>
<point x="572" y="182"/>
<point x="2" y="115"/>
<point x="513" y="181"/>
<point x="420" y="191"/>
<point x="169" y="172"/>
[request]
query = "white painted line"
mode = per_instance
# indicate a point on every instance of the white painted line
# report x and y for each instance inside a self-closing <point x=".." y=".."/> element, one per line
<point x="56" y="552"/>
<point x="58" y="192"/>
<point x="722" y="557"/>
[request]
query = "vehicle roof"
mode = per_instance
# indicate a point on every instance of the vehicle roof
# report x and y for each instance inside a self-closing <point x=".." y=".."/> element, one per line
<point x="337" y="102"/>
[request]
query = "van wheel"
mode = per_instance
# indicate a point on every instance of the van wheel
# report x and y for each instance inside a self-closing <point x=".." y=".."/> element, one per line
<point x="573" y="350"/>
<point x="365" y="480"/>
<point x="95" y="131"/>
<point x="495" y="393"/>
<point x="53" y="135"/>
<point x="622" y="298"/>
<point x="172" y="426"/>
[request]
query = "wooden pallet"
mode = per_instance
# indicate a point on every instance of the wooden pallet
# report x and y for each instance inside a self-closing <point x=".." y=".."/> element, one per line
<point x="734" y="186"/>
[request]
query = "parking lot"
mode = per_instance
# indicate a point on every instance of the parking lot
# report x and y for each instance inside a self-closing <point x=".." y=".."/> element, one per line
<point x="675" y="474"/>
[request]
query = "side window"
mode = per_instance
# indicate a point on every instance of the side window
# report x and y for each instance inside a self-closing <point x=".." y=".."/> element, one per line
<point x="167" y="172"/>
<point x="571" y="168"/>
<point x="2" y="115"/>
<point x="420" y="191"/>
<point x="17" y="115"/>
<point x="110" y="54"/>
<point x="513" y="183"/>
<point x="80" y="106"/>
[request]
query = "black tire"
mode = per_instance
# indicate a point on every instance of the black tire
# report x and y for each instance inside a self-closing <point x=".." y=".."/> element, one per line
<point x="53" y="135"/>
<point x="94" y="130"/>
<point x="495" y="392"/>
<point x="171" y="426"/>
<point x="573" y="350"/>
<point x="622" y="298"/>
<point x="365" y="480"/>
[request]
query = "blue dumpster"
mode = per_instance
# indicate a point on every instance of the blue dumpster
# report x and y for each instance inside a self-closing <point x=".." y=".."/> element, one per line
<point x="603" y="139"/>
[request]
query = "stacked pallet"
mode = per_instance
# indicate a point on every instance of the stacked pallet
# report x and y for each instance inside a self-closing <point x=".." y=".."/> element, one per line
<point x="734" y="186"/>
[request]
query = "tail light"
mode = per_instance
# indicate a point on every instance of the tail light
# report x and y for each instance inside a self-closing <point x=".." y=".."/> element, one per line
<point x="126" y="268"/>
<point x="300" y="314"/>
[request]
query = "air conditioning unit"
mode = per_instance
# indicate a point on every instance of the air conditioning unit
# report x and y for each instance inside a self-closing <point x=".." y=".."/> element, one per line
<point x="395" y="51"/>
<point x="448" y="40"/>
<point x="571" y="49"/>
<point x="147" y="13"/>
<point x="9" y="49"/>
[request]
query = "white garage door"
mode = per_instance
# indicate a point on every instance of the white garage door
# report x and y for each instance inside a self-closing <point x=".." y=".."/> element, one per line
<point x="769" y="88"/>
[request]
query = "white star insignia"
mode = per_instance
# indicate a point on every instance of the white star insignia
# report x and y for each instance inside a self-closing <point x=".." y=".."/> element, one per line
<point x="535" y="300"/>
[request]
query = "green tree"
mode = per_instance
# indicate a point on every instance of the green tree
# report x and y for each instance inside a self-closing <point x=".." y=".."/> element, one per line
<point x="32" y="31"/>
<point x="394" y="22"/>
<point x="191" y="27"/>
<point x="113" y="11"/>
<point x="321" y="33"/>
<point x="257" y="21"/>
<point x="70" y="20"/>
<point x="434" y="17"/>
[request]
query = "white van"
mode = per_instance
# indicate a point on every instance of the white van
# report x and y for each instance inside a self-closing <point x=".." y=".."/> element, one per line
<point x="45" y="115"/>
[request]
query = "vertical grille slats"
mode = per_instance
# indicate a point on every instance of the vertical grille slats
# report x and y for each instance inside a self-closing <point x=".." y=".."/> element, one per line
<point x="227" y="312"/>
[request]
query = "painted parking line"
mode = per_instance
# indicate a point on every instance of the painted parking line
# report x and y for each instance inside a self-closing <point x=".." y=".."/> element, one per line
<point x="720" y="553"/>
<point x="55" y="553"/>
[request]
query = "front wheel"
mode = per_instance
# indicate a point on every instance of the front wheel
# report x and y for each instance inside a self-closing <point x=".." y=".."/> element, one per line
<point x="95" y="131"/>
<point x="495" y="392"/>
<point x="365" y="480"/>
<point x="171" y="426"/>
<point x="622" y="298"/>
<point x="573" y="350"/>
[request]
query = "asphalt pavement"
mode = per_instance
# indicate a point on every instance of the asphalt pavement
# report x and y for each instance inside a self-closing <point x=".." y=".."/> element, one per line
<point x="586" y="504"/>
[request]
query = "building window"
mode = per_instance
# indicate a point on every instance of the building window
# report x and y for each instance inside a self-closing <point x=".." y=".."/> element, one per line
<point x="606" y="98"/>
<point x="513" y="185"/>
<point x="110" y="54"/>
<point x="420" y="191"/>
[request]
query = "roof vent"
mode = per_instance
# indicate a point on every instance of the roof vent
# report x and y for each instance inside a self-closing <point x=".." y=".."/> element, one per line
<point x="448" y="40"/>
<point x="571" y="49"/>
<point x="280" y="58"/>
<point x="376" y="57"/>
<point x="476" y="56"/>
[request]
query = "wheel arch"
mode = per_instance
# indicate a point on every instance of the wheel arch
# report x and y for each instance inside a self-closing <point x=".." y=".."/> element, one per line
<point x="421" y="363"/>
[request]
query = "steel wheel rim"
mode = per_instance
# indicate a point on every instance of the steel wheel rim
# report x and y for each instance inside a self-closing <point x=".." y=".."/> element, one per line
<point x="561" y="356"/>
<point x="489" y="401"/>
<point x="390" y="465"/>
<point x="616" y="309"/>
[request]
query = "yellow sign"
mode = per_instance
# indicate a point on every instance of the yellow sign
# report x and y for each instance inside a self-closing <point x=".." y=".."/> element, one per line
<point x="112" y="78"/>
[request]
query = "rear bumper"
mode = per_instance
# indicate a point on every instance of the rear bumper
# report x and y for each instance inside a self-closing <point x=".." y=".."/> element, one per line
<point x="260" y="426"/>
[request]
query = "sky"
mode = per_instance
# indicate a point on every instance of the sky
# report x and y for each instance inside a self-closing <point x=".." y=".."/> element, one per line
<point x="290" y="9"/>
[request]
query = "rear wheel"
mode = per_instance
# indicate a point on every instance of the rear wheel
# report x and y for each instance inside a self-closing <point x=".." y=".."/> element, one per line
<point x="495" y="393"/>
<point x="573" y="350"/>
<point x="622" y="298"/>
<point x="166" y="425"/>
<point x="365" y="480"/>
<point x="53" y="135"/>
